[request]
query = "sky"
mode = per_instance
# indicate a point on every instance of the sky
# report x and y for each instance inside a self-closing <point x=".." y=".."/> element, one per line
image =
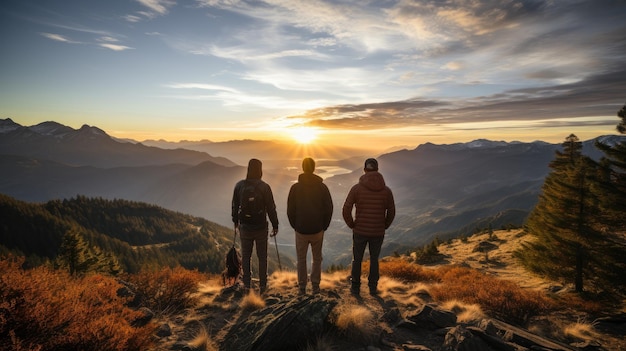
<point x="361" y="73"/>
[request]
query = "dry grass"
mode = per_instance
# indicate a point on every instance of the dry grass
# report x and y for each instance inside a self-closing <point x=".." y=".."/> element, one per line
<point x="356" y="322"/>
<point x="581" y="330"/>
<point x="203" y="342"/>
<point x="402" y="270"/>
<point x="252" y="301"/>
<point x="466" y="313"/>
<point x="501" y="298"/>
<point x="283" y="280"/>
<point x="168" y="290"/>
<point x="48" y="309"/>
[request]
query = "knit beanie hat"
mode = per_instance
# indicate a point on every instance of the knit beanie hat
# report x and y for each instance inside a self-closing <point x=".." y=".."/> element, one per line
<point x="308" y="165"/>
<point x="255" y="169"/>
<point x="371" y="164"/>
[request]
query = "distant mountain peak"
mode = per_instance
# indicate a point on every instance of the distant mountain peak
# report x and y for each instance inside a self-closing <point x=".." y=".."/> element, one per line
<point x="7" y="125"/>
<point x="51" y="128"/>
<point x="92" y="130"/>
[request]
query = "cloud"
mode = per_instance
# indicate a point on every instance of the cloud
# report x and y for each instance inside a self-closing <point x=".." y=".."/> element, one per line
<point x="587" y="102"/>
<point x="233" y="97"/>
<point x="201" y="86"/>
<point x="58" y="37"/>
<point x="158" y="6"/>
<point x="115" y="47"/>
<point x="132" y="18"/>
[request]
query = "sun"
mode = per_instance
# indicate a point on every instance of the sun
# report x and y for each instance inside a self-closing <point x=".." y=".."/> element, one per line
<point x="303" y="135"/>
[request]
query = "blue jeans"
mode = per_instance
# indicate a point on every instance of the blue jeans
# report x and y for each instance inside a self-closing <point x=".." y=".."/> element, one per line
<point x="359" y="242"/>
<point x="248" y="240"/>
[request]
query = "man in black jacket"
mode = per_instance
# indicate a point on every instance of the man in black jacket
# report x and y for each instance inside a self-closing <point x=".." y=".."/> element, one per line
<point x="309" y="209"/>
<point x="254" y="227"/>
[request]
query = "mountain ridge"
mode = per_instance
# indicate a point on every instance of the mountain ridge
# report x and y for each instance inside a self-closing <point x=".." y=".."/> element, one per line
<point x="441" y="191"/>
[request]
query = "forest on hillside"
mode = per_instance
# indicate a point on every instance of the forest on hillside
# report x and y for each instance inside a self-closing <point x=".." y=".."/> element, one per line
<point x="114" y="235"/>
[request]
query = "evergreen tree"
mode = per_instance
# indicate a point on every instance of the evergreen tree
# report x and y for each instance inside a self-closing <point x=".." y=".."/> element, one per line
<point x="612" y="184"/>
<point x="74" y="253"/>
<point x="564" y="220"/>
<point x="621" y="126"/>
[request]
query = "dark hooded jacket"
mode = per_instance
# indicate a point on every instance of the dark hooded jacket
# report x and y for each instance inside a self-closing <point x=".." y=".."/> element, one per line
<point x="375" y="207"/>
<point x="254" y="175"/>
<point x="309" y="205"/>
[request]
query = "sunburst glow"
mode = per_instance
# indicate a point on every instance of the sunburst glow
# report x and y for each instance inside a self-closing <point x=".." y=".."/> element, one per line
<point x="303" y="135"/>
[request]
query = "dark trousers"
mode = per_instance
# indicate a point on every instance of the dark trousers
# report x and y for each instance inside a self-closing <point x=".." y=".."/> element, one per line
<point x="248" y="240"/>
<point x="359" y="242"/>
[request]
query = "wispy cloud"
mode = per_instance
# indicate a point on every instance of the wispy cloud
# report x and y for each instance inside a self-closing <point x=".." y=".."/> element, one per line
<point x="58" y="37"/>
<point x="201" y="86"/>
<point x="115" y="47"/>
<point x="234" y="97"/>
<point x="156" y="8"/>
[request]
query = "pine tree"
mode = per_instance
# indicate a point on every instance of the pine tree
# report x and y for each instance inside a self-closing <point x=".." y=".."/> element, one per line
<point x="74" y="253"/>
<point x="612" y="184"/>
<point x="564" y="220"/>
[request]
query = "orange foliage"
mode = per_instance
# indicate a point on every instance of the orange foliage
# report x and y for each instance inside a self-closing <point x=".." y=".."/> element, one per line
<point x="503" y="298"/>
<point x="403" y="271"/>
<point x="167" y="290"/>
<point x="48" y="309"/>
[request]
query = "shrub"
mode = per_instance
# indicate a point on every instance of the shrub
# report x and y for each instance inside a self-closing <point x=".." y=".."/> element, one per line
<point x="47" y="309"/>
<point x="168" y="290"/>
<point x="402" y="270"/>
<point x="498" y="297"/>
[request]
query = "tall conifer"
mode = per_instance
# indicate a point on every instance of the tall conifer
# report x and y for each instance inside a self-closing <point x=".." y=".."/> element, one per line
<point x="564" y="219"/>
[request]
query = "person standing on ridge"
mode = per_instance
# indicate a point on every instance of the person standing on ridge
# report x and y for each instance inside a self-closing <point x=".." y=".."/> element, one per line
<point x="252" y="204"/>
<point x="375" y="210"/>
<point x="309" y="209"/>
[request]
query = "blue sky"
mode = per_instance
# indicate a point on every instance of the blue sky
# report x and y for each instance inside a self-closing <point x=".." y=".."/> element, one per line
<point x="358" y="72"/>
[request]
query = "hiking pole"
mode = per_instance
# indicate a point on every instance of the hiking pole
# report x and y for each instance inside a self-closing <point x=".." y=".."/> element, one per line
<point x="277" y="254"/>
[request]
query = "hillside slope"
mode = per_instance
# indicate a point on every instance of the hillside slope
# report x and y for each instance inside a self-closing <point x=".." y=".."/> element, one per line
<point x="408" y="314"/>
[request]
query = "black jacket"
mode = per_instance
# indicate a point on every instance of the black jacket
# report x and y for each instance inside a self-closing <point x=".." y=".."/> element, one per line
<point x="309" y="205"/>
<point x="268" y="198"/>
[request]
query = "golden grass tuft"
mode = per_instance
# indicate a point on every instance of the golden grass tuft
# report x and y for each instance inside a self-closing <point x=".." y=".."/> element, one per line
<point x="581" y="330"/>
<point x="465" y="313"/>
<point x="252" y="301"/>
<point x="356" y="322"/>
<point x="283" y="280"/>
<point x="332" y="281"/>
<point x="202" y="341"/>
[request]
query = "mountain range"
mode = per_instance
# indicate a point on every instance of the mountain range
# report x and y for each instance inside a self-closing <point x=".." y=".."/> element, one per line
<point x="441" y="191"/>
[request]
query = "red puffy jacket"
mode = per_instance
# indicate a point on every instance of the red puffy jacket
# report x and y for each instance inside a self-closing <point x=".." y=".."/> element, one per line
<point x="375" y="207"/>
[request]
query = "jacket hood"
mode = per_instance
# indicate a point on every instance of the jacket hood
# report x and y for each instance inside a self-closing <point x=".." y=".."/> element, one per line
<point x="373" y="181"/>
<point x="255" y="169"/>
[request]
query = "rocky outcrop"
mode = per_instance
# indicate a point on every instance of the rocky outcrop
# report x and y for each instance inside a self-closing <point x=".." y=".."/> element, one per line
<point x="298" y="322"/>
<point x="289" y="324"/>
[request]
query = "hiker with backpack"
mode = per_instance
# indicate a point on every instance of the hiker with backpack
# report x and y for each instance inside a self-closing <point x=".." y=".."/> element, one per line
<point x="375" y="210"/>
<point x="309" y="209"/>
<point x="252" y="204"/>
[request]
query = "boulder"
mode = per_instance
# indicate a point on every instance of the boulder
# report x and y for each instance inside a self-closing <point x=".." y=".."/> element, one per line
<point x="431" y="317"/>
<point x="461" y="339"/>
<point x="286" y="325"/>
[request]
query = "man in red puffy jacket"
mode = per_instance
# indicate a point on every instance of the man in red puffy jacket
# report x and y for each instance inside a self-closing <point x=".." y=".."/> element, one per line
<point x="375" y="210"/>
